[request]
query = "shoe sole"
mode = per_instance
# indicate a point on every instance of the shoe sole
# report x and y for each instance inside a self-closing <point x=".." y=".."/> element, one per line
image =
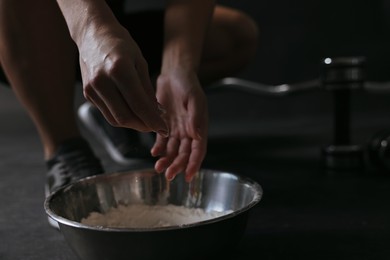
<point x="96" y="130"/>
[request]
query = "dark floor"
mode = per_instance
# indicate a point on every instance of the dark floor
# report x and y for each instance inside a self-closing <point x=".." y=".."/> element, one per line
<point x="306" y="212"/>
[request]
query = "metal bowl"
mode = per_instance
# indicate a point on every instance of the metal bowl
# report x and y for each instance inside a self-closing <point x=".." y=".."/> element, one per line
<point x="209" y="190"/>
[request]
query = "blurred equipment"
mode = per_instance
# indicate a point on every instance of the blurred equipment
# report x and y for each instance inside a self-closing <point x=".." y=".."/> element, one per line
<point x="340" y="76"/>
<point x="379" y="151"/>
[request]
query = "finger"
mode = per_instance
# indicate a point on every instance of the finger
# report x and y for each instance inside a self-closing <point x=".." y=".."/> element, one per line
<point x="180" y="162"/>
<point x="171" y="152"/>
<point x="98" y="102"/>
<point x="160" y="165"/>
<point x="198" y="153"/>
<point x="197" y="126"/>
<point x="111" y="104"/>
<point x="142" y="105"/>
<point x="159" y="149"/>
<point x="160" y="146"/>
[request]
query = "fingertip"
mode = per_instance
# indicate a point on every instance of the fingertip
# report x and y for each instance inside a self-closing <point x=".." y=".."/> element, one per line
<point x="191" y="171"/>
<point x="189" y="177"/>
<point x="170" y="176"/>
<point x="154" y="152"/>
<point x="159" y="167"/>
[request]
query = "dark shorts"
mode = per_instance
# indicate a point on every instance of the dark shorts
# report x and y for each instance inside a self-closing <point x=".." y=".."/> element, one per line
<point x="146" y="28"/>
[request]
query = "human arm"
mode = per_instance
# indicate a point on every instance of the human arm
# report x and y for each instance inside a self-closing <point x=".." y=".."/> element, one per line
<point x="179" y="89"/>
<point x="114" y="72"/>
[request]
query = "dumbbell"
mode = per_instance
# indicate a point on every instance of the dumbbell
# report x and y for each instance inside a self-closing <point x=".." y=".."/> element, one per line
<point x="340" y="76"/>
<point x="378" y="150"/>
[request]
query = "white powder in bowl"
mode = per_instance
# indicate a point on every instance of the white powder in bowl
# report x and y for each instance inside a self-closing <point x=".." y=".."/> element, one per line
<point x="144" y="216"/>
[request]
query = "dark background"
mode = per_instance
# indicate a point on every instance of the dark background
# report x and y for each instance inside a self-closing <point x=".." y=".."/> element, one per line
<point x="297" y="35"/>
<point x="306" y="212"/>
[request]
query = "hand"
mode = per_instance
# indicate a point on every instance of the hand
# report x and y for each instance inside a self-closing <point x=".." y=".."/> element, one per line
<point x="116" y="79"/>
<point x="187" y="117"/>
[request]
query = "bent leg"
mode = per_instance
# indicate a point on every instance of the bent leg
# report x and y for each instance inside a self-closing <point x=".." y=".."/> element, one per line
<point x="38" y="57"/>
<point x="230" y="45"/>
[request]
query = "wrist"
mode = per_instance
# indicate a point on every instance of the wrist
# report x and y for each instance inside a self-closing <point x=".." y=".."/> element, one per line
<point x="179" y="67"/>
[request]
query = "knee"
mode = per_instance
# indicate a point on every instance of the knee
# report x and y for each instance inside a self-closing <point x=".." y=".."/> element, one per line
<point x="247" y="34"/>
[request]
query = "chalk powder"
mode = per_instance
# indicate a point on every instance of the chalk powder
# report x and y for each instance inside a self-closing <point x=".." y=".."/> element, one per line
<point x="144" y="216"/>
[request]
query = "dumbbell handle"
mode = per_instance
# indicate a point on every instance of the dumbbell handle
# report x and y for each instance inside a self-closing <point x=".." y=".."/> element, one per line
<point x="258" y="88"/>
<point x="341" y="117"/>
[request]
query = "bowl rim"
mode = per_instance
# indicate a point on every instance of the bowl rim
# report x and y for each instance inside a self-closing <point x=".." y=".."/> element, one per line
<point x="64" y="221"/>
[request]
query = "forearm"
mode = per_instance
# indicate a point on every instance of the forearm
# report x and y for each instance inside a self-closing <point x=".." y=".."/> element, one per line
<point x="186" y="26"/>
<point x="85" y="17"/>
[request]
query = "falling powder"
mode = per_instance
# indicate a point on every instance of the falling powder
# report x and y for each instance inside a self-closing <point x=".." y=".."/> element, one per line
<point x="144" y="216"/>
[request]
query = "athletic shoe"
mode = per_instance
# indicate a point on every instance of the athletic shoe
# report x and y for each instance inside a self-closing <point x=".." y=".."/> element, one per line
<point x="73" y="161"/>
